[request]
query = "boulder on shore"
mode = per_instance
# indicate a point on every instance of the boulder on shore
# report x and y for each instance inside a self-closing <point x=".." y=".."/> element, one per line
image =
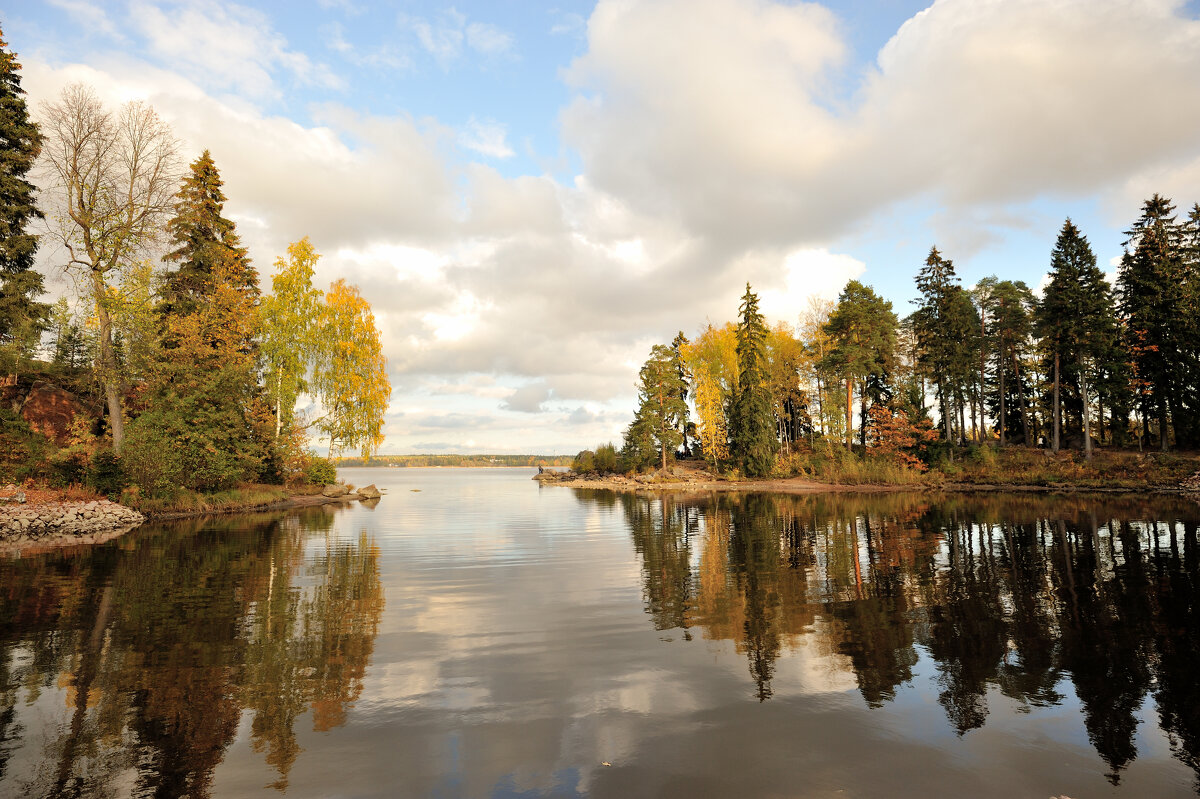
<point x="369" y="492"/>
<point x="51" y="410"/>
<point x="334" y="491"/>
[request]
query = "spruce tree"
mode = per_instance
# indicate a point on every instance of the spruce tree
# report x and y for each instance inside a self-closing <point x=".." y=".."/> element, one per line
<point x="21" y="316"/>
<point x="206" y="404"/>
<point x="1153" y="302"/>
<point x="202" y="240"/>
<point x="752" y="423"/>
<point x="685" y="378"/>
<point x="1077" y="325"/>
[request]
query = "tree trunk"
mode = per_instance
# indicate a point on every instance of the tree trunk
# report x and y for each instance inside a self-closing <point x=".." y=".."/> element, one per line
<point x="821" y="405"/>
<point x="1000" y="374"/>
<point x="942" y="400"/>
<point x="849" y="414"/>
<point x="1087" y="430"/>
<point x="1162" y="421"/>
<point x="108" y="370"/>
<point x="1055" y="443"/>
<point x="962" y="419"/>
<point x="1021" y="400"/>
<point x="975" y="426"/>
<point x="278" y="403"/>
<point x="982" y="365"/>
<point x="862" y="420"/>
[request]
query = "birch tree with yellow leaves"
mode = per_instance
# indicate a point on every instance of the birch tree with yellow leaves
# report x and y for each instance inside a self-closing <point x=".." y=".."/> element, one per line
<point x="711" y="360"/>
<point x="350" y="373"/>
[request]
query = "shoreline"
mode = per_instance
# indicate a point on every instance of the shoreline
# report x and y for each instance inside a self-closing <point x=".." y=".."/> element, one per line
<point x="801" y="485"/>
<point x="38" y="527"/>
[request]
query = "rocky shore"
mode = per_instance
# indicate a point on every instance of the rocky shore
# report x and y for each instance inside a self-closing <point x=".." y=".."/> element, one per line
<point x="53" y="524"/>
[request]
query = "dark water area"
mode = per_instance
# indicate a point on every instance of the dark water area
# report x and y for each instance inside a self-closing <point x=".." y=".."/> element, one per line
<point x="476" y="635"/>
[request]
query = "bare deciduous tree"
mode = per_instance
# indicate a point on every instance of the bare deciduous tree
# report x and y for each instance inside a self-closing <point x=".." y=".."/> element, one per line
<point x="109" y="183"/>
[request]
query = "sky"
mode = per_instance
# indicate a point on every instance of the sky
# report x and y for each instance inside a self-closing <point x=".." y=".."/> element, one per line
<point x="532" y="195"/>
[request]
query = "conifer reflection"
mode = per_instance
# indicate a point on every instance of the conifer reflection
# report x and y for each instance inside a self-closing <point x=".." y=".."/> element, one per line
<point x="164" y="639"/>
<point x="1015" y="594"/>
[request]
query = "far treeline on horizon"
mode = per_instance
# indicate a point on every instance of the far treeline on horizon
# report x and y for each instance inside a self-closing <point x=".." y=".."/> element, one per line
<point x="178" y="372"/>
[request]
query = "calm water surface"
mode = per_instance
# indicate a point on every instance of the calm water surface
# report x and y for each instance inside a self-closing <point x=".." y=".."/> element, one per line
<point x="476" y="635"/>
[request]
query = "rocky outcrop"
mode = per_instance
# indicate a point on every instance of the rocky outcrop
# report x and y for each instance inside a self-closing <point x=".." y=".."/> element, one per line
<point x="334" y="491"/>
<point x="50" y="410"/>
<point x="74" y="522"/>
<point x="369" y="492"/>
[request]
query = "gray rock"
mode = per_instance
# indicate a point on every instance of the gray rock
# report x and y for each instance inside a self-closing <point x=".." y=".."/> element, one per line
<point x="334" y="491"/>
<point x="369" y="492"/>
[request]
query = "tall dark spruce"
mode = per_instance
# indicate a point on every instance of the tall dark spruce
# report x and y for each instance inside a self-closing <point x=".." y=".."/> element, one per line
<point x="752" y="422"/>
<point x="21" y="317"/>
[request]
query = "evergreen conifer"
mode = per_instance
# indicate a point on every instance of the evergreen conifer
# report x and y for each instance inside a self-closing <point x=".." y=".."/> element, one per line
<point x="752" y="422"/>
<point x="21" y="316"/>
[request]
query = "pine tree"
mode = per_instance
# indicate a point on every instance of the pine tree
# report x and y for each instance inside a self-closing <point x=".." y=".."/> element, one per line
<point x="662" y="405"/>
<point x="21" y="317"/>
<point x="1009" y="328"/>
<point x="202" y="239"/>
<point x="946" y="326"/>
<point x="752" y="422"/>
<point x="1152" y="280"/>
<point x="1187" y="422"/>
<point x="862" y="334"/>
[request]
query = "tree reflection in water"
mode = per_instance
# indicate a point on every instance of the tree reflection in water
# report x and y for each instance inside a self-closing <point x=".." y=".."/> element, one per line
<point x="163" y="639"/>
<point x="1010" y="593"/>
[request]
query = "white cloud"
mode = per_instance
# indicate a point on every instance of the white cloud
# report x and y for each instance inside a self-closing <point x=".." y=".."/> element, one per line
<point x="488" y="39"/>
<point x="808" y="273"/>
<point x="225" y="45"/>
<point x="486" y="137"/>
<point x="728" y="124"/>
<point x="530" y="398"/>
<point x="445" y="37"/>
<point x="89" y="16"/>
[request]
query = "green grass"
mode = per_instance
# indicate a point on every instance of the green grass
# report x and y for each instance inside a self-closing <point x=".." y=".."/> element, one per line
<point x="190" y="502"/>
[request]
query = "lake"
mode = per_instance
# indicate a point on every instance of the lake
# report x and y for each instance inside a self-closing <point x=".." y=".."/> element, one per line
<point x="476" y="635"/>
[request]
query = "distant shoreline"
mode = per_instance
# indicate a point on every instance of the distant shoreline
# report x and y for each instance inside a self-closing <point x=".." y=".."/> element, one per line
<point x="799" y="485"/>
<point x="1044" y="475"/>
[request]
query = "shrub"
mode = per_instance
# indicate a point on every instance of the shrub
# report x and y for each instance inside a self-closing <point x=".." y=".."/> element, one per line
<point x="320" y="471"/>
<point x="151" y="462"/>
<point x="23" y="451"/>
<point x="584" y="463"/>
<point x="205" y="454"/>
<point x="69" y="468"/>
<point x="106" y="473"/>
<point x="606" y="458"/>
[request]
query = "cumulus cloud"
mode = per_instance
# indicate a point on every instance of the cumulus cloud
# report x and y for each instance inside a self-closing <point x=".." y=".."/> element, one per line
<point x="728" y="122"/>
